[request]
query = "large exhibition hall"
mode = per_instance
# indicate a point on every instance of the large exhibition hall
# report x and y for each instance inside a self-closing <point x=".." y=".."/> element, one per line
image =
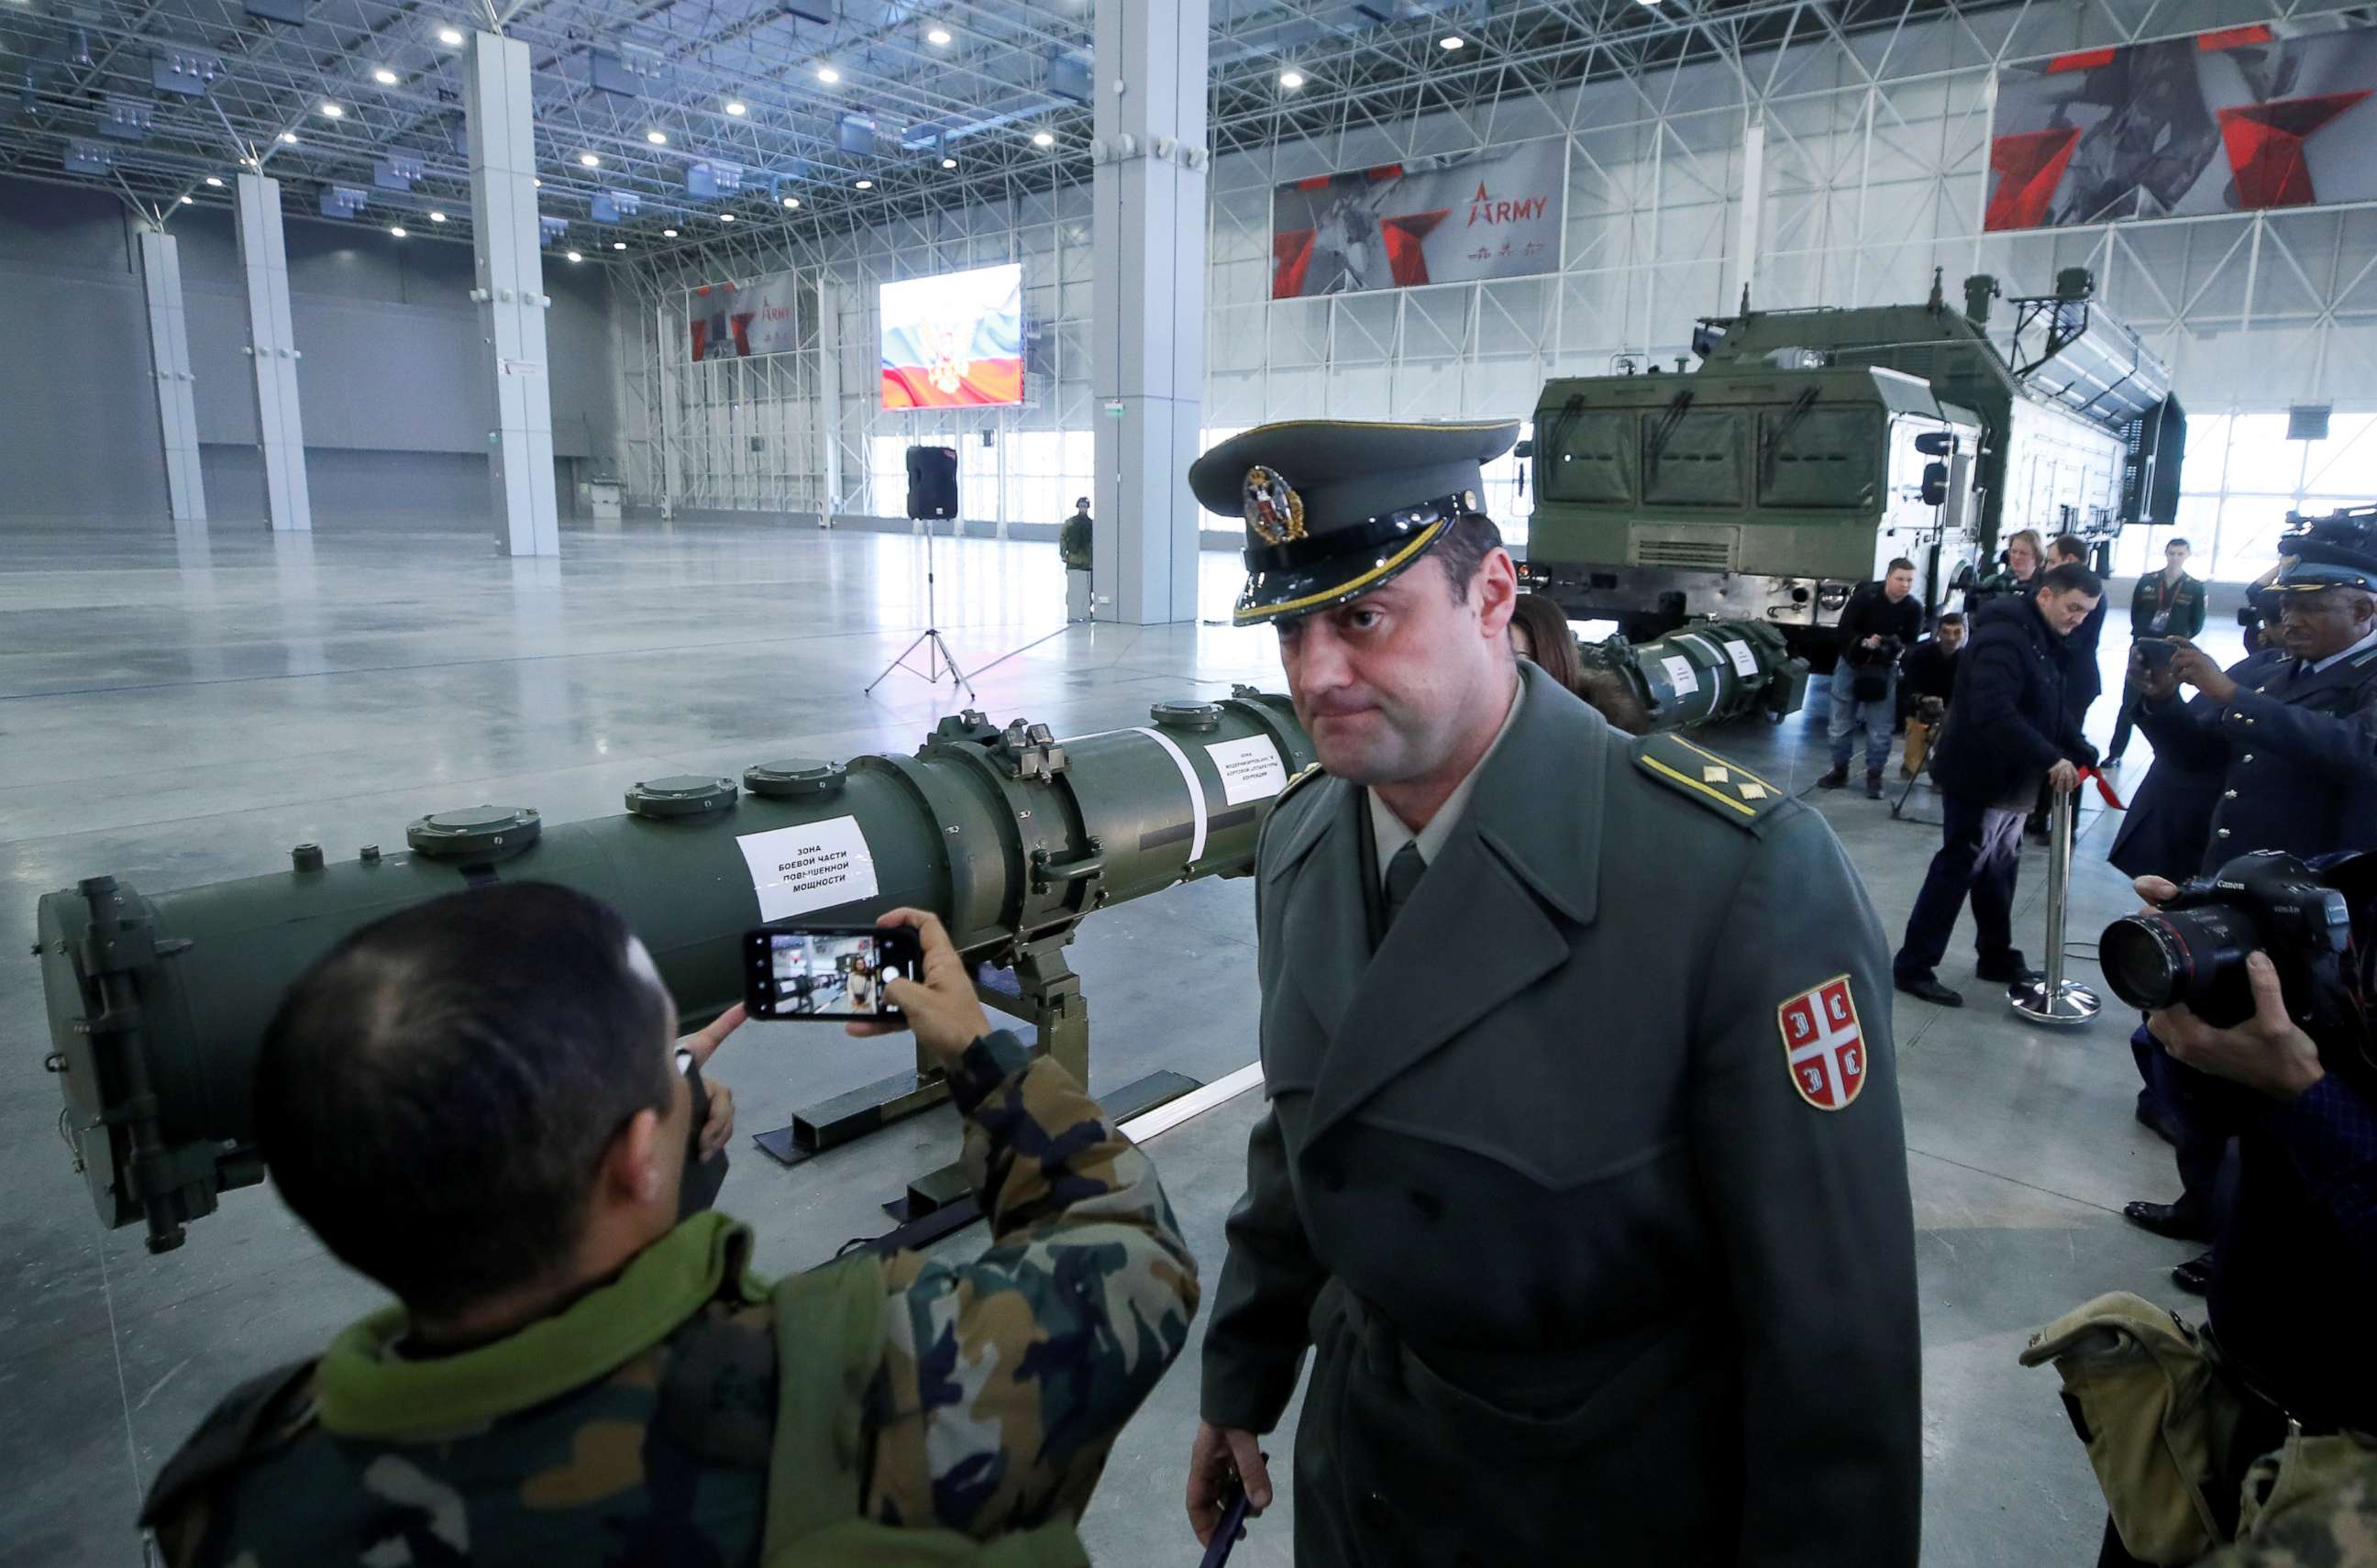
<point x="1369" y="784"/>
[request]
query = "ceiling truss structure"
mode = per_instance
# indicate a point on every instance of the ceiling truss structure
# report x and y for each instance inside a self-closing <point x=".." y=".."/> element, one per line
<point x="947" y="103"/>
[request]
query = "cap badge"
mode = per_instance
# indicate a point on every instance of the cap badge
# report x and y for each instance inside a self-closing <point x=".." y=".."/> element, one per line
<point x="1274" y="509"/>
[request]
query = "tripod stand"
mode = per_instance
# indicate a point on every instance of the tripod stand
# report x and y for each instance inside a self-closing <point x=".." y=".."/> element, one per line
<point x="936" y="646"/>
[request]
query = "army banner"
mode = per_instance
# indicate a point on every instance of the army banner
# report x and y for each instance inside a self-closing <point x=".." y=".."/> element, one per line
<point x="2269" y="115"/>
<point x="740" y="320"/>
<point x="1449" y="220"/>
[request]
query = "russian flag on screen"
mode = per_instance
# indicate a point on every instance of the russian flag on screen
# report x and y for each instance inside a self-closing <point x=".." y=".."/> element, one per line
<point x="955" y="341"/>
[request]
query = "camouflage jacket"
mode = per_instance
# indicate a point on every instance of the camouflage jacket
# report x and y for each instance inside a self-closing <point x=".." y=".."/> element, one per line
<point x="635" y="1425"/>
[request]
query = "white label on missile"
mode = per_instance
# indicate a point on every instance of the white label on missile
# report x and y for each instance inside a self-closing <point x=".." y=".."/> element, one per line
<point x="1743" y="659"/>
<point x="1250" y="768"/>
<point x="814" y="866"/>
<point x="1195" y="790"/>
<point x="1680" y="675"/>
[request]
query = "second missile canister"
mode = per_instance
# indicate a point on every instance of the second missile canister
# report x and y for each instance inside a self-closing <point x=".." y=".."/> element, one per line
<point x="1707" y="672"/>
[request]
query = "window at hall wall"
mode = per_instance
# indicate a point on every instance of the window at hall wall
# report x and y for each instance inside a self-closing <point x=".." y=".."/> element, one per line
<point x="2242" y="479"/>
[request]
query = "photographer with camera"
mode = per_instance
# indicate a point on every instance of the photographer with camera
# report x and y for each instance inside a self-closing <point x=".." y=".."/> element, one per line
<point x="478" y="1104"/>
<point x="2257" y="983"/>
<point x="2293" y="728"/>
<point x="1927" y="679"/>
<point x="1880" y="621"/>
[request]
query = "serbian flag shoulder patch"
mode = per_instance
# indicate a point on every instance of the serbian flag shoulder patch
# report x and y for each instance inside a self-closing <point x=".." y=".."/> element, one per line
<point x="1823" y="1043"/>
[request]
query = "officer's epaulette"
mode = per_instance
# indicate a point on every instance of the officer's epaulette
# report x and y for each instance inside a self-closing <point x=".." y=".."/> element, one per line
<point x="1310" y="772"/>
<point x="1724" y="787"/>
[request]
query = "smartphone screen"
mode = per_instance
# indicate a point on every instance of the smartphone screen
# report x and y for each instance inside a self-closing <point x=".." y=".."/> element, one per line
<point x="826" y="970"/>
<point x="2154" y="653"/>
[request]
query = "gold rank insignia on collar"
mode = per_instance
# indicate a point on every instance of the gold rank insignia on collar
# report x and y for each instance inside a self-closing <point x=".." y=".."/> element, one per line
<point x="1718" y="783"/>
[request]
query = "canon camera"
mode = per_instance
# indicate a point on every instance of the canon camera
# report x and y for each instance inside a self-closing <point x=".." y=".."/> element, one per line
<point x="2191" y="949"/>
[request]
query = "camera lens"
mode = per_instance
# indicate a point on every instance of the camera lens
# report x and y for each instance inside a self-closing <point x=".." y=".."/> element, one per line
<point x="2145" y="961"/>
<point x="2194" y="956"/>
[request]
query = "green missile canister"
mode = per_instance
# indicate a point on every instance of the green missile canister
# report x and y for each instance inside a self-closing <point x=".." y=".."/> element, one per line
<point x="1707" y="672"/>
<point x="158" y="1000"/>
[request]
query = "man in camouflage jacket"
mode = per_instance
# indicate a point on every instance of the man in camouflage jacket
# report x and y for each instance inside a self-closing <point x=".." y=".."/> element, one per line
<point x="576" y="1376"/>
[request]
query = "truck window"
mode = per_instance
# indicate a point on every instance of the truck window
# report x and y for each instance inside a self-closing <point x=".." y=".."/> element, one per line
<point x="1825" y="456"/>
<point x="1692" y="458"/>
<point x="1589" y="457"/>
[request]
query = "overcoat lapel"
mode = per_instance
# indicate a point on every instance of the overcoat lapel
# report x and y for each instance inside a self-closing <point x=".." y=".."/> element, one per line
<point x="1482" y="925"/>
<point x="2293" y="686"/>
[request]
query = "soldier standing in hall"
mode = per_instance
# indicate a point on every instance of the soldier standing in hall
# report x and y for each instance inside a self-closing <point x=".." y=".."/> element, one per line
<point x="1583" y="1176"/>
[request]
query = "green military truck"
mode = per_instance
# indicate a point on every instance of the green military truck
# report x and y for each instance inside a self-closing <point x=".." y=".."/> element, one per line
<point x="1811" y="447"/>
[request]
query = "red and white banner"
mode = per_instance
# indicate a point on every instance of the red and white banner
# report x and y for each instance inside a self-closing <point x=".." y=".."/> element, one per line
<point x="739" y="321"/>
<point x="1425" y="221"/>
<point x="2269" y="115"/>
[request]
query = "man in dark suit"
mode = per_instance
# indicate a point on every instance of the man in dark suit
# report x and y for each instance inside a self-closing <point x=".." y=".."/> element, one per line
<point x="2278" y="752"/>
<point x="1591" y="1208"/>
<point x="2083" y="680"/>
<point x="2011" y="731"/>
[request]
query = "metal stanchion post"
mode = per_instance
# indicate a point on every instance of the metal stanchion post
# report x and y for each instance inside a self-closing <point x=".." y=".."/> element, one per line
<point x="2053" y="999"/>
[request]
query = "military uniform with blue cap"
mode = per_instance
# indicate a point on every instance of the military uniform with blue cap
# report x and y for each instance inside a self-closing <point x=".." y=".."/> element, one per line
<point x="1583" y="1175"/>
<point x="2296" y="745"/>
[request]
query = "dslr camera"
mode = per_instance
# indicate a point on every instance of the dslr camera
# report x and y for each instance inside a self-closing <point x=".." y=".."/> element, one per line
<point x="2192" y="949"/>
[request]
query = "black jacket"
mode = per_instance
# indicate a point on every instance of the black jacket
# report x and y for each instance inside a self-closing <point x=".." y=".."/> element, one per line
<point x="1869" y="613"/>
<point x="2083" y="680"/>
<point x="2297" y="754"/>
<point x="2008" y="723"/>
<point x="1932" y="669"/>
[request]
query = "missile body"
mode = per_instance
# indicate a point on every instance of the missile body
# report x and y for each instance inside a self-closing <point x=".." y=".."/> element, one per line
<point x="157" y="1002"/>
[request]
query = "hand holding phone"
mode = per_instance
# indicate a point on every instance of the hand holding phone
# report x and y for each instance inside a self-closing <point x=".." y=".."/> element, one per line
<point x="817" y="972"/>
<point x="941" y="1006"/>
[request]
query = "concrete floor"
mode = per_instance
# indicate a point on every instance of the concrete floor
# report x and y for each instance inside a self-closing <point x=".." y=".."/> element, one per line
<point x="179" y="707"/>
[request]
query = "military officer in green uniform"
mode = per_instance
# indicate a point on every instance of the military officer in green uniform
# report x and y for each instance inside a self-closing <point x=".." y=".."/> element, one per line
<point x="1582" y="1178"/>
<point x="473" y="1103"/>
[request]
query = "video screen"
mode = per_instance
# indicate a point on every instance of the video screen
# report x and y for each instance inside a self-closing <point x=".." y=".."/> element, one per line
<point x="813" y="975"/>
<point x="955" y="341"/>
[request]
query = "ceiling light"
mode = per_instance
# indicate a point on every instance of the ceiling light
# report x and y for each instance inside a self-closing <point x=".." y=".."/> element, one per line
<point x="332" y="111"/>
<point x="450" y="37"/>
<point x="289" y="137"/>
<point x="862" y="184"/>
<point x="948" y="162"/>
<point x="385" y="77"/>
<point x="437" y="217"/>
<point x="1291" y="79"/>
<point x="792" y="201"/>
<point x="215" y="180"/>
<point x="939" y="35"/>
<point x="189" y="201"/>
<point x="590" y="160"/>
<point x="1450" y="41"/>
<point x="828" y="75"/>
<point x="734" y="106"/>
<point x="657" y="139"/>
<point x="1042" y="139"/>
<point x="575" y="256"/>
<point x="397" y="229"/>
<point x="726" y="217"/>
<point x="537" y="182"/>
<point x="619" y="245"/>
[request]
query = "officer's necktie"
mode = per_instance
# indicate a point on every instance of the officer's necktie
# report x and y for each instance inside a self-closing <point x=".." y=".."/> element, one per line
<point x="1403" y="875"/>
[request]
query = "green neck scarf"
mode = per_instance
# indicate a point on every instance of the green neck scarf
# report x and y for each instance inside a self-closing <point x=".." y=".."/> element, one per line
<point x="363" y="1391"/>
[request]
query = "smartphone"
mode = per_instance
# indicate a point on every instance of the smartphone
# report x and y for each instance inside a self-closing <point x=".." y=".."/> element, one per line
<point x="2154" y="653"/>
<point x="827" y="971"/>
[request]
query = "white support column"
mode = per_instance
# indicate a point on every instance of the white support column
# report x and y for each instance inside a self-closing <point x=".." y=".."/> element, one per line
<point x="828" y="384"/>
<point x="672" y="373"/>
<point x="1147" y="320"/>
<point x="280" y="428"/>
<point x="1744" y="274"/>
<point x="510" y="293"/>
<point x="169" y="367"/>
